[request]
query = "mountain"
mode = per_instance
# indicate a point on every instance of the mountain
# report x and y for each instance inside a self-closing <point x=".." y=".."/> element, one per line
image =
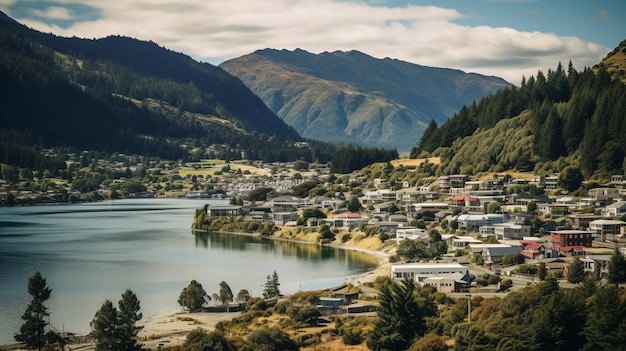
<point x="119" y="94"/>
<point x="350" y="97"/>
<point x="563" y="118"/>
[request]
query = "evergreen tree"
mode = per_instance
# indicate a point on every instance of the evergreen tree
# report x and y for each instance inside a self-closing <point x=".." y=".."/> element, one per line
<point x="570" y="178"/>
<point x="115" y="329"/>
<point x="576" y="271"/>
<point x="354" y="205"/>
<point x="105" y="326"/>
<point x="617" y="268"/>
<point x="32" y="332"/>
<point x="271" y="286"/>
<point x="606" y="320"/>
<point x="400" y="319"/>
<point x="129" y="315"/>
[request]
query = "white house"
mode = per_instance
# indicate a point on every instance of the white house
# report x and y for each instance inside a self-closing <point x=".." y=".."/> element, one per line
<point x="617" y="209"/>
<point x="410" y="233"/>
<point x="421" y="271"/>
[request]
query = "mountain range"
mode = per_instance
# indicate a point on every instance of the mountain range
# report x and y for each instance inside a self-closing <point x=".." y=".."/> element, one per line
<point x="351" y="97"/>
<point x="119" y="94"/>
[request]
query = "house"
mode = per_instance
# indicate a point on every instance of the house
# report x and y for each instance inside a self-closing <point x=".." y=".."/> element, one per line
<point x="288" y="203"/>
<point x="493" y="255"/>
<point x="348" y="220"/>
<point x="606" y="228"/>
<point x="472" y="222"/>
<point x="604" y="195"/>
<point x="570" y="241"/>
<point x="453" y="181"/>
<point x="551" y="183"/>
<point x="596" y="263"/>
<point x="410" y="233"/>
<point x="534" y="251"/>
<point x="476" y="249"/>
<point x="222" y="211"/>
<point x="617" y="209"/>
<point x="581" y="221"/>
<point x="382" y="195"/>
<point x="448" y="284"/>
<point x="552" y="210"/>
<point x="281" y="218"/>
<point x="511" y="230"/>
<point x="466" y="201"/>
<point x="447" y="276"/>
<point x="430" y="206"/>
<point x="459" y="242"/>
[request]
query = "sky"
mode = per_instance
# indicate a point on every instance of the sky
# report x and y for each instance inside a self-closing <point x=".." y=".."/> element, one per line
<point x="504" y="38"/>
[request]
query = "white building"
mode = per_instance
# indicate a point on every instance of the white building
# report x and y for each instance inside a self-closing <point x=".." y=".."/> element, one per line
<point x="421" y="271"/>
<point x="410" y="233"/>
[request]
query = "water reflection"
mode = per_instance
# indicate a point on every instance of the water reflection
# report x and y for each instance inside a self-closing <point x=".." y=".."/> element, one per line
<point x="308" y="252"/>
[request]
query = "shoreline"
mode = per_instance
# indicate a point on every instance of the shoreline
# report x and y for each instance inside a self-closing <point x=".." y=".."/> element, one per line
<point x="171" y="328"/>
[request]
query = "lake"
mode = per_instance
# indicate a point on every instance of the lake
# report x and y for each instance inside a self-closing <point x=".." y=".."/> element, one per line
<point x="89" y="253"/>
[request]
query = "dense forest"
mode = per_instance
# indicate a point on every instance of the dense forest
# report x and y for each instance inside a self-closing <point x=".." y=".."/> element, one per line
<point x="123" y="95"/>
<point x="349" y="158"/>
<point x="564" y="115"/>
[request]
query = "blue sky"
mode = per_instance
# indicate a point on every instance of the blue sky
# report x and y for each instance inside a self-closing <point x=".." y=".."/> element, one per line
<point x="505" y="38"/>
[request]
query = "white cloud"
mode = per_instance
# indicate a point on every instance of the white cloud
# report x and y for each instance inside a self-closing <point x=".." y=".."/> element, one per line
<point x="57" y="13"/>
<point x="221" y="29"/>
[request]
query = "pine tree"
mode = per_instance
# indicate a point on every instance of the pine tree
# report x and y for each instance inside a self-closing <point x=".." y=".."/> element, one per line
<point x="32" y="331"/>
<point x="400" y="318"/>
<point x="104" y="327"/>
<point x="271" y="286"/>
<point x="129" y="315"/>
<point x="617" y="268"/>
<point x="576" y="271"/>
<point x="115" y="329"/>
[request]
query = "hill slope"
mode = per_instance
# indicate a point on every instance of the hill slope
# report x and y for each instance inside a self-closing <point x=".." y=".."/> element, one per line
<point x="562" y="118"/>
<point x="353" y="97"/>
<point x="125" y="95"/>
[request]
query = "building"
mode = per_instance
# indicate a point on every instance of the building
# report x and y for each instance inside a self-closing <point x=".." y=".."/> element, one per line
<point x="473" y="222"/>
<point x="570" y="241"/>
<point x="421" y="271"/>
<point x="604" y="229"/>
<point x="581" y="221"/>
<point x="604" y="195"/>
<point x="493" y="255"/>
<point x="410" y="233"/>
<point x="222" y="211"/>
<point x="511" y="230"/>
<point x="617" y="209"/>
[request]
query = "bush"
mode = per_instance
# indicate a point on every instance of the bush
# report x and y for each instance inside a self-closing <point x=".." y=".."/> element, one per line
<point x="352" y="336"/>
<point x="346" y="237"/>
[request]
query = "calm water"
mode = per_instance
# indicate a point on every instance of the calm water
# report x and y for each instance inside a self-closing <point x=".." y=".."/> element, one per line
<point x="92" y="252"/>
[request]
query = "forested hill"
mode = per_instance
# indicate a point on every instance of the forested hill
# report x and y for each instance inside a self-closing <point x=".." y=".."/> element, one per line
<point x="119" y="94"/>
<point x="351" y="97"/>
<point x="564" y="117"/>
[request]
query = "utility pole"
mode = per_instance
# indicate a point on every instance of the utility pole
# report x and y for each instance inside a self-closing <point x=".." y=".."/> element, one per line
<point x="469" y="307"/>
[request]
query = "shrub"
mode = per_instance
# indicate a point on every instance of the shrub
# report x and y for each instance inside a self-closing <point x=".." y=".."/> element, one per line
<point x="352" y="336"/>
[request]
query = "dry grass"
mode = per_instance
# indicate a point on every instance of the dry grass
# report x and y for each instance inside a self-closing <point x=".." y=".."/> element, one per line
<point x="415" y="162"/>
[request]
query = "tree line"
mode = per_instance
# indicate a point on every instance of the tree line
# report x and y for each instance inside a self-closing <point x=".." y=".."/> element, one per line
<point x="572" y="114"/>
<point x="350" y="158"/>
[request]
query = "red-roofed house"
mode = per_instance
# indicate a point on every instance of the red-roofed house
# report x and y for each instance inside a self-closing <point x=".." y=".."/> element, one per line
<point x="466" y="201"/>
<point x="534" y="251"/>
<point x="349" y="220"/>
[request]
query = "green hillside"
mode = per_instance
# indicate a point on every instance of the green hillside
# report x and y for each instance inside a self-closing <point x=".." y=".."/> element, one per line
<point x="119" y="94"/>
<point x="551" y="120"/>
